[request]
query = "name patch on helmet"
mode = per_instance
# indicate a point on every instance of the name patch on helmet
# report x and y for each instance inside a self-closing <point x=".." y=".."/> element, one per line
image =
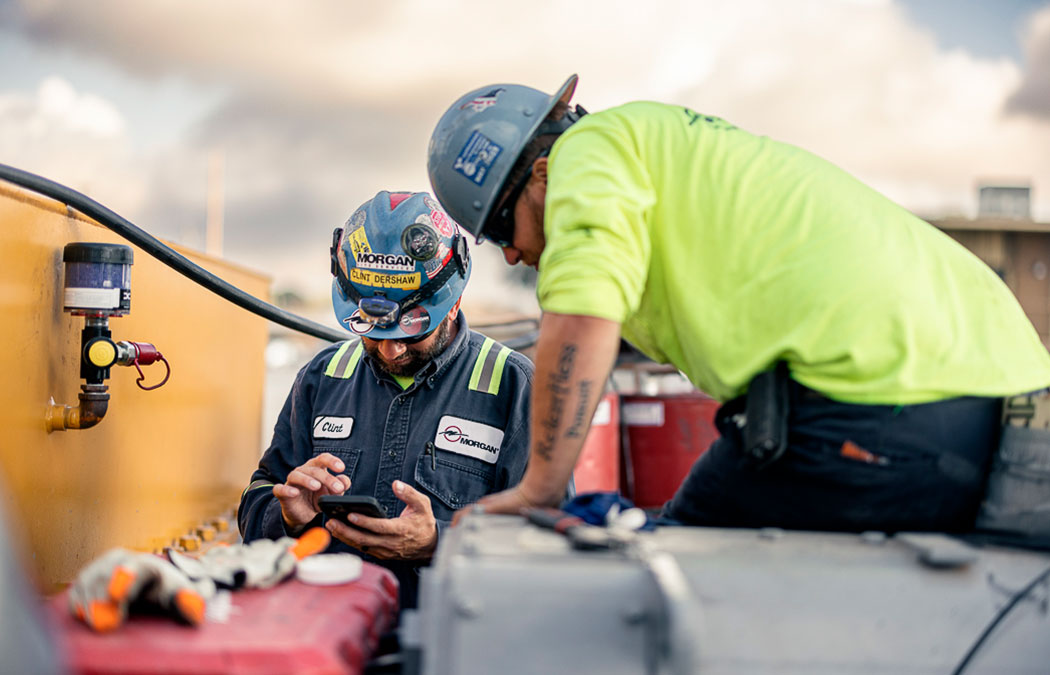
<point x="477" y="157"/>
<point x="383" y="280"/>
<point x="472" y="439"/>
<point x="387" y="262"/>
<point x="333" y="427"/>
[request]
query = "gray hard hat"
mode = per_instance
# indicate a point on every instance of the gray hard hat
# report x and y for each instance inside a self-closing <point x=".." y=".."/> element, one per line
<point x="479" y="139"/>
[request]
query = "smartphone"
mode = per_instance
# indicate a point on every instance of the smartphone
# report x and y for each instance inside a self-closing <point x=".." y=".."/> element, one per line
<point x="341" y="506"/>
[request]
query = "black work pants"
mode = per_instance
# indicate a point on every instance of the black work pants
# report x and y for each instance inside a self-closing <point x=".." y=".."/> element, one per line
<point x="849" y="468"/>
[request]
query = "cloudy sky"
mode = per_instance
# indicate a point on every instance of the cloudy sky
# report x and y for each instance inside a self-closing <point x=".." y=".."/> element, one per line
<point x="312" y="106"/>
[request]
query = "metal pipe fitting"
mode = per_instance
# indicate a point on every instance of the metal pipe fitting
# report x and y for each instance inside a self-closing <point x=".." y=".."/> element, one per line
<point x="94" y="400"/>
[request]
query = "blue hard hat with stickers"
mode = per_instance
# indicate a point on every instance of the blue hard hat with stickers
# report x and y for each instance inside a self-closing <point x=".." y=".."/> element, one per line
<point x="400" y="264"/>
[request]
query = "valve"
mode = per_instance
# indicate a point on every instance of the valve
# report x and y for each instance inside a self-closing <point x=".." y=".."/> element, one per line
<point x="98" y="286"/>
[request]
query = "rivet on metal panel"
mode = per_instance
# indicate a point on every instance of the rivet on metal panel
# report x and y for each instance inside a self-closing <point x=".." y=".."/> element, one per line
<point x="770" y="533"/>
<point x="206" y="533"/>
<point x="189" y="542"/>
<point x="467" y="608"/>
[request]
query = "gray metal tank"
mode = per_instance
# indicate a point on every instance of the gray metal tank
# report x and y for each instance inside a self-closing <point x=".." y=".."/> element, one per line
<point x="503" y="596"/>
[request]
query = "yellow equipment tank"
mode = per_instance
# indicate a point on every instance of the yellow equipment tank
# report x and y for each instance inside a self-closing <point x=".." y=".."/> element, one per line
<point x="163" y="467"/>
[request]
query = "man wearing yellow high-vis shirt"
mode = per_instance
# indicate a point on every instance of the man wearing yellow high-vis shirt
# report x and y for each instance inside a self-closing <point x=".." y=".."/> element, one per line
<point x="861" y="354"/>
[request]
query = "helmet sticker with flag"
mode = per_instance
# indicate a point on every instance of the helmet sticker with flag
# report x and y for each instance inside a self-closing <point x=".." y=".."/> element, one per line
<point x="434" y="265"/>
<point x="358" y="325"/>
<point x="477" y="157"/>
<point x="415" y="321"/>
<point x="479" y="103"/>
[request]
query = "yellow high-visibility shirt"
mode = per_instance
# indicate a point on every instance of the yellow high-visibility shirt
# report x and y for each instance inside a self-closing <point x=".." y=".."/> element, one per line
<point x="721" y="252"/>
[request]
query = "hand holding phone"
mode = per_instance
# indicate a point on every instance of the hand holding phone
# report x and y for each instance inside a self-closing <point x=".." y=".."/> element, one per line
<point x="340" y="507"/>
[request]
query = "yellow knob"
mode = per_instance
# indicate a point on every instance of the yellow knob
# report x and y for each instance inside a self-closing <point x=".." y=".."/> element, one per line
<point x="102" y="353"/>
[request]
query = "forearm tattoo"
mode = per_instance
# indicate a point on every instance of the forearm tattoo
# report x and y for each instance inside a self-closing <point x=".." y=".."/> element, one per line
<point x="558" y="388"/>
<point x="579" y="420"/>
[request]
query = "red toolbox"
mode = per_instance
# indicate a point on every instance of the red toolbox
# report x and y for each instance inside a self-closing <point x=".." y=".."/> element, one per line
<point x="291" y="628"/>
<point x="664" y="437"/>
<point x="598" y="467"/>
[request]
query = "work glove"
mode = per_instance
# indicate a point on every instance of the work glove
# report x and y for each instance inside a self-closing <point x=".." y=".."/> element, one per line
<point x="104" y="590"/>
<point x="260" y="564"/>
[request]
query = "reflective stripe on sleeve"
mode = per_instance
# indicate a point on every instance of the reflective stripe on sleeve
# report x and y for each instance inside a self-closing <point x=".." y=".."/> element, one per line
<point x="255" y="485"/>
<point x="488" y="368"/>
<point x="351" y="363"/>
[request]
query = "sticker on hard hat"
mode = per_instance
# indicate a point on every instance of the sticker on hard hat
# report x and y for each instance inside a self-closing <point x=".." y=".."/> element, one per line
<point x="405" y="282"/>
<point x="385" y="262"/>
<point x="415" y="321"/>
<point x="359" y="242"/>
<point x="434" y="266"/>
<point x="477" y="157"/>
<point x="469" y="438"/>
<point x="442" y="222"/>
<point x="358" y="325"/>
<point x="419" y="240"/>
<point x="357" y="219"/>
<point x="479" y="103"/>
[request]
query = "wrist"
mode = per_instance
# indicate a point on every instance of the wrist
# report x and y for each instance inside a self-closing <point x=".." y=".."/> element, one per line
<point x="537" y="493"/>
<point x="293" y="528"/>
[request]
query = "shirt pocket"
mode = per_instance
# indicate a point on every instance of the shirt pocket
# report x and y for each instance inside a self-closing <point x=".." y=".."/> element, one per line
<point x="455" y="480"/>
<point x="350" y="456"/>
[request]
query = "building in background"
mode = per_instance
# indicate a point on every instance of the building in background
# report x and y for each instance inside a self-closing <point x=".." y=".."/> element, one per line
<point x="1005" y="236"/>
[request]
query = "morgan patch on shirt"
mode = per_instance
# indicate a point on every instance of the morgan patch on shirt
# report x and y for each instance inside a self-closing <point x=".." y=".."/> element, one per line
<point x="333" y="427"/>
<point x="472" y="439"/>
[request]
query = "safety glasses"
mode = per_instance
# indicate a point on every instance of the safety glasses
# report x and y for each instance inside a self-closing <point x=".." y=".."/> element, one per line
<point x="500" y="226"/>
<point x="404" y="341"/>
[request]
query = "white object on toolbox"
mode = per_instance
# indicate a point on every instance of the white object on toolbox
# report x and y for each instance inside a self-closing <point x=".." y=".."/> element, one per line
<point x="329" y="569"/>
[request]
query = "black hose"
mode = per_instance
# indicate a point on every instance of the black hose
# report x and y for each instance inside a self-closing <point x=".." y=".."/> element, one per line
<point x="165" y="254"/>
<point x="1000" y="615"/>
<point x="183" y="265"/>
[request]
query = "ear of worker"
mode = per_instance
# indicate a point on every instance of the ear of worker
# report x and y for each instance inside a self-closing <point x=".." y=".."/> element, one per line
<point x="181" y="585"/>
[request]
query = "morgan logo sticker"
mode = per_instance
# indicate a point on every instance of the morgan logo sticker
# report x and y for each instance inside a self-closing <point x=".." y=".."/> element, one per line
<point x="472" y="439"/>
<point x="385" y="262"/>
<point x="333" y="427"/>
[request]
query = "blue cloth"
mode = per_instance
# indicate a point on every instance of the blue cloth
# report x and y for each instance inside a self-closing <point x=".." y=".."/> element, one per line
<point x="594" y="507"/>
<point x="431" y="435"/>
